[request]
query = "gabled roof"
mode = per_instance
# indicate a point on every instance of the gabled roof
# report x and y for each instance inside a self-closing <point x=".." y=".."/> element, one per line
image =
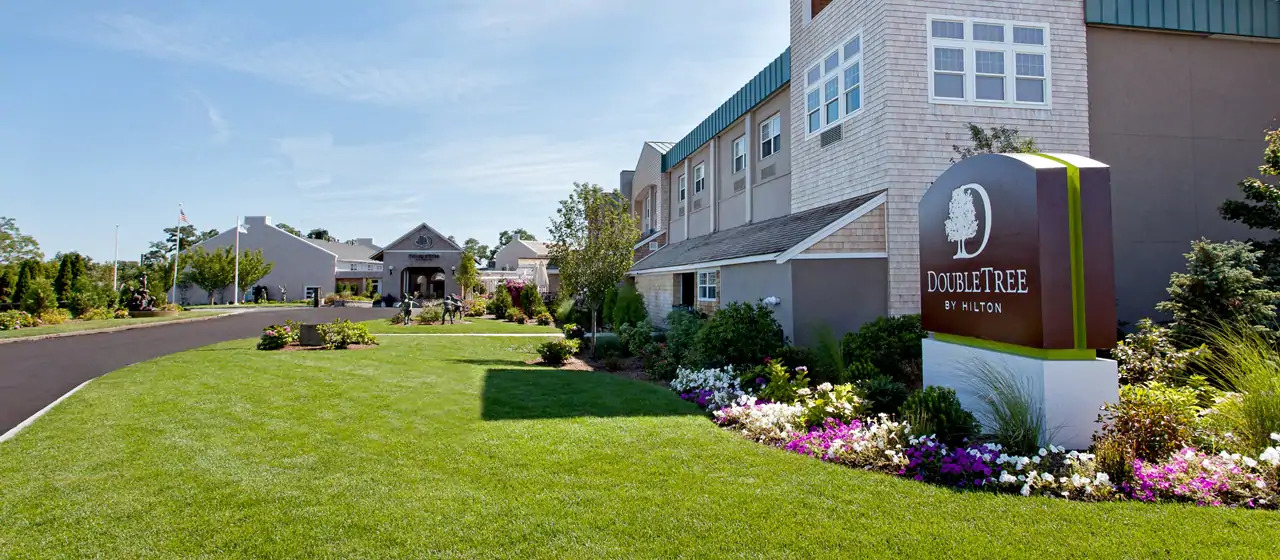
<point x="346" y="251"/>
<point x="768" y="81"/>
<point x="662" y="147"/>
<point x="770" y="237"/>
<point x="451" y="244"/>
<point x="538" y="247"/>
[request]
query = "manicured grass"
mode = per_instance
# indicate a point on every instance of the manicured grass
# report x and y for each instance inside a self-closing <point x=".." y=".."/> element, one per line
<point x="468" y="325"/>
<point x="453" y="448"/>
<point x="77" y="325"/>
<point x="250" y="305"/>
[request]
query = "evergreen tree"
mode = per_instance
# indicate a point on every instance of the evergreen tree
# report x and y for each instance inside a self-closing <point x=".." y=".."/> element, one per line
<point x="62" y="282"/>
<point x="8" y="279"/>
<point x="28" y="272"/>
<point x="1260" y="208"/>
<point x="1221" y="286"/>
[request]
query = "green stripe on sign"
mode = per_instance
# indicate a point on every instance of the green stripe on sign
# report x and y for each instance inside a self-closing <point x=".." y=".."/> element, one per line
<point x="1075" y="228"/>
<point x="1006" y="348"/>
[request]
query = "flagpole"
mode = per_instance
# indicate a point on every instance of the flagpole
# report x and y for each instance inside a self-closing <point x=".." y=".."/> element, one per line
<point x="235" y="287"/>
<point x="176" y="252"/>
<point x="115" y="263"/>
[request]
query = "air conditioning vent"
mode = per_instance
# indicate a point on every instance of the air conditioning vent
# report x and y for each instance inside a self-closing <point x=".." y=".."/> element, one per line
<point x="768" y="171"/>
<point x="740" y="185"/>
<point x="697" y="204"/>
<point x="831" y="136"/>
<point x="653" y="245"/>
<point x="681" y="210"/>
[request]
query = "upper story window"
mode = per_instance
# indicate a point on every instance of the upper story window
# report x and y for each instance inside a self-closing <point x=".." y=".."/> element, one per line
<point x="699" y="178"/>
<point x="354" y="266"/>
<point x="983" y="62"/>
<point x="833" y="86"/>
<point x="684" y="187"/>
<point x="708" y="285"/>
<point x="740" y="153"/>
<point x="771" y="136"/>
<point x="648" y="213"/>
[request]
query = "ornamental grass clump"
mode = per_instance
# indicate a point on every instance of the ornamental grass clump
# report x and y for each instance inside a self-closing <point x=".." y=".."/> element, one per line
<point x="1245" y="362"/>
<point x="1010" y="408"/>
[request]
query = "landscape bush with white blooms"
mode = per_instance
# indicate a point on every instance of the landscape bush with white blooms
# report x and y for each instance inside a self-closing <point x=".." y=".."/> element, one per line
<point x="712" y="389"/>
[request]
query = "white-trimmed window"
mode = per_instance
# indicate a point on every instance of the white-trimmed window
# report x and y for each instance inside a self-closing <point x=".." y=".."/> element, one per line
<point x="985" y="62"/>
<point x="353" y="266"/>
<point x="684" y="187"/>
<point x="739" y="153"/>
<point x="648" y="213"/>
<point x="699" y="178"/>
<point x="708" y="285"/>
<point x="833" y="86"/>
<point x="771" y="136"/>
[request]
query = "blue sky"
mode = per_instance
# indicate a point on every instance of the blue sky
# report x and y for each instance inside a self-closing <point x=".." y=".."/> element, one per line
<point x="362" y="117"/>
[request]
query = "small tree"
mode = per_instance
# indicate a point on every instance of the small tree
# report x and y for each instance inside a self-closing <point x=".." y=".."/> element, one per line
<point x="592" y="236"/>
<point x="8" y="281"/>
<point x="39" y="297"/>
<point x="1260" y="208"/>
<point x="468" y="277"/>
<point x="28" y="273"/>
<point x="253" y="267"/>
<point x="213" y="270"/>
<point x="628" y="307"/>
<point x="321" y="234"/>
<point x="501" y="302"/>
<point x="998" y="140"/>
<point x="293" y="230"/>
<point x="71" y="267"/>
<point x="14" y="245"/>
<point x="1221" y="285"/>
<point x="531" y="300"/>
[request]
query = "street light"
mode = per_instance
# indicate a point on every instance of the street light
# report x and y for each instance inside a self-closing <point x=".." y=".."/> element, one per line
<point x="235" y="288"/>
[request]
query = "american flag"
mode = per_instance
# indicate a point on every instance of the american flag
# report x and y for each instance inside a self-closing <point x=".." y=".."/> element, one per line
<point x="182" y="216"/>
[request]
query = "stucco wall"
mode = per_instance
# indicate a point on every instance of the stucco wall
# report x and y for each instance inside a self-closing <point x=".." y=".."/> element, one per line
<point x="839" y="294"/>
<point x="297" y="263"/>
<point x="1179" y="118"/>
<point x="753" y="281"/>
<point x="508" y="257"/>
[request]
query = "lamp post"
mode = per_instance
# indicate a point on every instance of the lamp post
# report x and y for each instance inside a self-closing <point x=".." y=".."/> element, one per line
<point x="235" y="287"/>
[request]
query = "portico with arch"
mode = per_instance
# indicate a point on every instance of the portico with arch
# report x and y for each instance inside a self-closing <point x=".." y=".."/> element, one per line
<point x="422" y="263"/>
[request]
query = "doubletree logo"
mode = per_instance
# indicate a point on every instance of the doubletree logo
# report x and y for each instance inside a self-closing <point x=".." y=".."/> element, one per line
<point x="962" y="219"/>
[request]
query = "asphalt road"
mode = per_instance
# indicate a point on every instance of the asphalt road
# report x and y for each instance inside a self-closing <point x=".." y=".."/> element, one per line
<point x="35" y="373"/>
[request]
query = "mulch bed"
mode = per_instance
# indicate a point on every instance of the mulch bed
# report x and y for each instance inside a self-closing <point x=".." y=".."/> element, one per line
<point x="631" y="367"/>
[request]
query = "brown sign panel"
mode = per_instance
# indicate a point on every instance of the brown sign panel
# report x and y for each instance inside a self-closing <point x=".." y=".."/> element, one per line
<point x="995" y="253"/>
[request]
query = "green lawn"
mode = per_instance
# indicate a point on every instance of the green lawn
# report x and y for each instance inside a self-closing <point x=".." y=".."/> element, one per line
<point x="468" y="325"/>
<point x="77" y="325"/>
<point x="436" y="447"/>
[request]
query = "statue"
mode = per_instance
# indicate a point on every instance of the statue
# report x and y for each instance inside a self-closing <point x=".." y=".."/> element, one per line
<point x="451" y="307"/>
<point x="141" y="300"/>
<point x="406" y="307"/>
<point x="284" y="295"/>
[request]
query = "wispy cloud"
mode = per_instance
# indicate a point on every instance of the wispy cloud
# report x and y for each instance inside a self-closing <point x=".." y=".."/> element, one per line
<point x="370" y="71"/>
<point x="221" y="128"/>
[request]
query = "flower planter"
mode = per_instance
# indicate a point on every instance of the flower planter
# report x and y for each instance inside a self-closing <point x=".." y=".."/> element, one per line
<point x="309" y="335"/>
<point x="154" y="313"/>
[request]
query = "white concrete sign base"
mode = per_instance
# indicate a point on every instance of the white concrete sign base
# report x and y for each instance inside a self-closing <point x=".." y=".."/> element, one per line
<point x="1070" y="392"/>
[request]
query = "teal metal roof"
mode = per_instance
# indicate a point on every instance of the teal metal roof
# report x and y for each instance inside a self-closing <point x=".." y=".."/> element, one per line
<point x="1247" y="18"/>
<point x="768" y="81"/>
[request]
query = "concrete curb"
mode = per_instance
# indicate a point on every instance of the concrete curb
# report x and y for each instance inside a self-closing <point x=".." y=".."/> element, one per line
<point x="31" y="419"/>
<point x="114" y="329"/>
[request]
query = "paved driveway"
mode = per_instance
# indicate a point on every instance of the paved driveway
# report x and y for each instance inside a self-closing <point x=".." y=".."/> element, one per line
<point x="35" y="373"/>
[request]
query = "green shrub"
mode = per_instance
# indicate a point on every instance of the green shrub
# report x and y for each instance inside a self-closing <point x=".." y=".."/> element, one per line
<point x="39" y="297"/>
<point x="430" y="314"/>
<point x="1244" y="361"/>
<point x="342" y="333"/>
<point x="682" y="333"/>
<point x="15" y="319"/>
<point x="608" y="345"/>
<point x="883" y="394"/>
<point x="657" y="362"/>
<point x="610" y="298"/>
<point x="937" y="411"/>
<point x="839" y="402"/>
<point x="799" y="356"/>
<point x="54" y="316"/>
<point x="544" y="319"/>
<point x="781" y="385"/>
<point x="500" y="303"/>
<point x="556" y="352"/>
<point x="892" y="344"/>
<point x="276" y="337"/>
<point x="628" y="307"/>
<point x="636" y="336"/>
<point x="1114" y="455"/>
<point x="862" y="370"/>
<point x="612" y="363"/>
<point x="1223" y="284"/>
<point x="1150" y="355"/>
<point x="86" y="295"/>
<point x="1153" y="419"/>
<point x="739" y="335"/>
<point x="515" y="315"/>
<point x="572" y="331"/>
<point x="96" y="314"/>
<point x="477" y="307"/>
<point x="531" y="300"/>
<point x="120" y="314"/>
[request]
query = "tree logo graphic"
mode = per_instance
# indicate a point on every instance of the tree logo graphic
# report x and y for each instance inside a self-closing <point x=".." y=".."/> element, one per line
<point x="962" y="219"/>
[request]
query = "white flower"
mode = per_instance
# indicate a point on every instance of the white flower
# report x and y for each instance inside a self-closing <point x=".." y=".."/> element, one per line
<point x="1007" y="478"/>
<point x="1077" y="480"/>
<point x="1271" y="455"/>
<point x="1261" y="484"/>
<point x="1043" y="452"/>
<point x="804" y="392"/>
<point x="1047" y="477"/>
<point x="1036" y="459"/>
<point x="824" y="387"/>
<point x="1249" y="462"/>
<point x="1102" y="478"/>
<point x="1026" y="489"/>
<point x="1275" y="437"/>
